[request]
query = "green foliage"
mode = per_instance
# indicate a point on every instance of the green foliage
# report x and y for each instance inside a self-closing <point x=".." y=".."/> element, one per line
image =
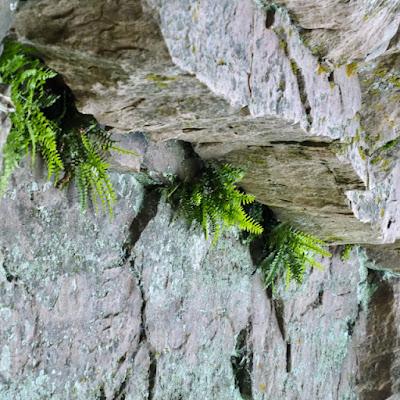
<point x="255" y="211"/>
<point x="78" y="152"/>
<point x="84" y="151"/>
<point x="31" y="130"/>
<point x="346" y="252"/>
<point x="215" y="202"/>
<point x="291" y="252"/>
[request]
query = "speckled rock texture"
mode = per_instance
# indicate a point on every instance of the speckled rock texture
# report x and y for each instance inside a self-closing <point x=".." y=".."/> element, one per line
<point x="7" y="8"/>
<point x="305" y="95"/>
<point x="143" y="307"/>
<point x="269" y="67"/>
<point x="268" y="88"/>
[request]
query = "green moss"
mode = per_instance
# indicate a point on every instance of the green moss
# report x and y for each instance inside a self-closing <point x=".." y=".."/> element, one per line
<point x="294" y="66"/>
<point x="357" y="137"/>
<point x="346" y="252"/>
<point x="283" y="46"/>
<point x="161" y="81"/>
<point x="376" y="160"/>
<point x="385" y="166"/>
<point x="334" y="239"/>
<point x="351" y="69"/>
<point x="362" y="153"/>
<point x="323" y="69"/>
<point x="390" y="145"/>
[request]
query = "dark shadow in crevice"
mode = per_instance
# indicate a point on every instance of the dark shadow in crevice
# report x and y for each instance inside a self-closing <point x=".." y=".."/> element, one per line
<point x="102" y="394"/>
<point x="152" y="375"/>
<point x="147" y="212"/>
<point x="242" y="363"/>
<point x="120" y="394"/>
<point x="380" y="342"/>
<point x="258" y="247"/>
<point x="288" y="357"/>
<point x="270" y="17"/>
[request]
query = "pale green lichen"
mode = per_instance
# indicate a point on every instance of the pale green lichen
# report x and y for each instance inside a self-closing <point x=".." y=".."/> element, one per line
<point x="351" y="69"/>
<point x="266" y="4"/>
<point x="365" y="290"/>
<point x="38" y="387"/>
<point x="61" y="252"/>
<point x="161" y="81"/>
<point x="5" y="359"/>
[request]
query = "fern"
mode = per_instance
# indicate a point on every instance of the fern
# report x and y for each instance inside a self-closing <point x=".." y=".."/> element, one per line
<point x="214" y="201"/>
<point x="291" y="252"/>
<point x="31" y="131"/>
<point x="84" y="152"/>
<point x="79" y="152"/>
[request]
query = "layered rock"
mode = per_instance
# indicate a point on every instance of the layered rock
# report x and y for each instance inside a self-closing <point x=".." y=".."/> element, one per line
<point x="276" y="87"/>
<point x="142" y="306"/>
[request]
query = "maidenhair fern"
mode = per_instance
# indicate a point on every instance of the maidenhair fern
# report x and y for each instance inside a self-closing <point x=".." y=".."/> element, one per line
<point x="215" y="202"/>
<point x="77" y="152"/>
<point x="291" y="252"/>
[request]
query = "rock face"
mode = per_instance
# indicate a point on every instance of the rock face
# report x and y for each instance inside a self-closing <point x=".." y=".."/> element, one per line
<point x="142" y="306"/>
<point x="92" y="309"/>
<point x="276" y="93"/>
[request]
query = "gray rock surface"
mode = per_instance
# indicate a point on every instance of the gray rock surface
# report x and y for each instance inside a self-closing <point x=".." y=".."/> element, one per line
<point x="269" y="67"/>
<point x="143" y="307"/>
<point x="264" y="82"/>
<point x="7" y="8"/>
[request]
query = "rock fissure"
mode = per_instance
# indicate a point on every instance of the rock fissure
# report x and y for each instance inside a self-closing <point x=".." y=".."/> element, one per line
<point x="146" y="309"/>
<point x="242" y="363"/>
<point x="152" y="375"/>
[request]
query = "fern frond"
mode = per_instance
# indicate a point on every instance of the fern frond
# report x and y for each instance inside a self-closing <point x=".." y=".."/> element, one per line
<point x="31" y="131"/>
<point x="291" y="252"/>
<point x="215" y="202"/>
<point x="79" y="152"/>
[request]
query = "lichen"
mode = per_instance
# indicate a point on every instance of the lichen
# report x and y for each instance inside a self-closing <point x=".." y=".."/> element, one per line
<point x="38" y="387"/>
<point x="322" y="69"/>
<point x="351" y="69"/>
<point x="161" y="81"/>
<point x="362" y="152"/>
<point x="365" y="290"/>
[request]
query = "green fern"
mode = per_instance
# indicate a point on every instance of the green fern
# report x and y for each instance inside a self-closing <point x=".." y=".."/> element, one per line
<point x="291" y="252"/>
<point x="215" y="202"/>
<point x="85" y="151"/>
<point x="31" y="131"/>
<point x="79" y="152"/>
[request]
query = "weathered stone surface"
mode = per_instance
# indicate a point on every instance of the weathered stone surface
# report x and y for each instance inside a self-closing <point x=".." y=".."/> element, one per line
<point x="159" y="159"/>
<point x="346" y="31"/>
<point x="275" y="88"/>
<point x="143" y="307"/>
<point x="296" y="85"/>
<point x="7" y="8"/>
